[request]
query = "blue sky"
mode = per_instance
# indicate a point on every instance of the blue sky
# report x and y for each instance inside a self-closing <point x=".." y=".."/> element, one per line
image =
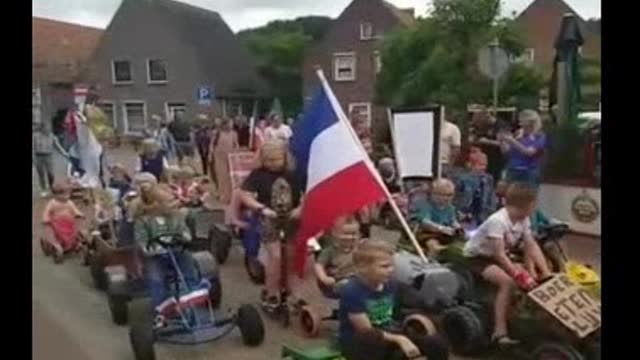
<point x="242" y="14"/>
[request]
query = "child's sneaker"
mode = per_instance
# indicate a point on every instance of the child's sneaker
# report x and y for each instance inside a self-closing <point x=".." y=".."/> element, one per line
<point x="297" y="306"/>
<point x="159" y="322"/>
<point x="270" y="304"/>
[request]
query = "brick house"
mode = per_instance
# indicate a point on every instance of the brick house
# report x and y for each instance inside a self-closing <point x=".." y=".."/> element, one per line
<point x="59" y="52"/>
<point x="163" y="57"/>
<point x="349" y="55"/>
<point x="540" y="23"/>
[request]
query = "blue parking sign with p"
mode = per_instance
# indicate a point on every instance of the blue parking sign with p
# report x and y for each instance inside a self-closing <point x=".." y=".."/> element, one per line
<point x="205" y="94"/>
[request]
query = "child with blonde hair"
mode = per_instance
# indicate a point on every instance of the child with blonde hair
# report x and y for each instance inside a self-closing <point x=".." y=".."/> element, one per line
<point x="335" y="262"/>
<point x="367" y="329"/>
<point x="152" y="159"/>
<point x="437" y="216"/>
<point x="158" y="218"/>
<point x="488" y="252"/>
<point x="59" y="217"/>
<point x="272" y="192"/>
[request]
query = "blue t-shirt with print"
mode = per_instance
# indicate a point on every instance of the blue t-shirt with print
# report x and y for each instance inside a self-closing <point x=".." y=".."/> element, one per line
<point x="441" y="215"/>
<point x="357" y="298"/>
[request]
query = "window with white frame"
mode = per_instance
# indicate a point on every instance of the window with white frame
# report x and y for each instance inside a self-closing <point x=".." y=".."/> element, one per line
<point x="362" y="110"/>
<point x="135" y="117"/>
<point x="121" y="72"/>
<point x="175" y="108"/>
<point x="344" y="66"/>
<point x="366" y="31"/>
<point x="156" y="71"/>
<point x="527" y="57"/>
<point x="109" y="109"/>
<point x="377" y="61"/>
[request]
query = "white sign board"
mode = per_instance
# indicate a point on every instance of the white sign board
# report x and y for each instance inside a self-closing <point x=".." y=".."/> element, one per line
<point x="415" y="137"/>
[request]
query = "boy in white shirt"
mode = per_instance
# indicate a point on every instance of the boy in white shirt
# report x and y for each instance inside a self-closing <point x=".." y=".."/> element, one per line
<point x="488" y="252"/>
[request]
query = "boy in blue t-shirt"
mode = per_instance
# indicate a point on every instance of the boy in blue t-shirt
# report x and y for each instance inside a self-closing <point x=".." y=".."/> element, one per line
<point x="437" y="216"/>
<point x="367" y="328"/>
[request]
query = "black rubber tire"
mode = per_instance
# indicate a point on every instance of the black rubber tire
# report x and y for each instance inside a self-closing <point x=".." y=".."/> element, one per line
<point x="464" y="330"/>
<point x="555" y="351"/>
<point x="97" y="272"/>
<point x="220" y="242"/>
<point x="215" y="292"/>
<point x="593" y="351"/>
<point x="251" y="326"/>
<point x="118" y="306"/>
<point x="255" y="270"/>
<point x="141" y="330"/>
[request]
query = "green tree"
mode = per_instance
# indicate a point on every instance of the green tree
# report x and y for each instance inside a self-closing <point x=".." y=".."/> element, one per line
<point x="436" y="60"/>
<point x="279" y="49"/>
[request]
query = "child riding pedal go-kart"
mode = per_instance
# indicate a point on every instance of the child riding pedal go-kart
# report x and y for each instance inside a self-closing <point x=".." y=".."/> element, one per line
<point x="484" y="323"/>
<point x="184" y="289"/>
<point x="333" y="268"/>
<point x="271" y="190"/>
<point x="60" y="219"/>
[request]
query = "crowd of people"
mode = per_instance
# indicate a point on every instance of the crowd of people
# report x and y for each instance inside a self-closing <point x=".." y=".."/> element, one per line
<point x="353" y="266"/>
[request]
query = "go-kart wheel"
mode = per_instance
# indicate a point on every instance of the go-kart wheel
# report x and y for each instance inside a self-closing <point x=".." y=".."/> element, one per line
<point x="555" y="351"/>
<point x="251" y="325"/>
<point x="141" y="330"/>
<point x="96" y="266"/>
<point x="118" y="308"/>
<point x="206" y="264"/>
<point x="464" y="329"/>
<point x="220" y="242"/>
<point x="593" y="351"/>
<point x="255" y="270"/>
<point x="418" y="325"/>
<point x="46" y="248"/>
<point x="310" y="321"/>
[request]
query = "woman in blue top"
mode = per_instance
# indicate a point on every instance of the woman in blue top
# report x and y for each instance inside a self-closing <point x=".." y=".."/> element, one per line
<point x="524" y="152"/>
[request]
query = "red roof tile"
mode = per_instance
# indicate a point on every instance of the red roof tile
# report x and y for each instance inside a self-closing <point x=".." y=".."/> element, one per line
<point x="60" y="50"/>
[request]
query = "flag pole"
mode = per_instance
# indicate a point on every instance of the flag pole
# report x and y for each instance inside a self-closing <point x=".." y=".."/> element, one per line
<point x="343" y="118"/>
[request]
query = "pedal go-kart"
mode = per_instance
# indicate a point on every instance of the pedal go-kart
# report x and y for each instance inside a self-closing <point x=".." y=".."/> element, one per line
<point x="316" y="353"/>
<point x="468" y="326"/>
<point x="210" y="233"/>
<point x="75" y="243"/>
<point x="192" y="322"/>
<point x="124" y="279"/>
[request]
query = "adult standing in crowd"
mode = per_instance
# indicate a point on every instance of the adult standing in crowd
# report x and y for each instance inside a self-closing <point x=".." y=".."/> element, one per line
<point x="166" y="140"/>
<point x="211" y="160"/>
<point x="484" y="135"/>
<point x="450" y="142"/>
<point x="278" y="130"/>
<point x="225" y="142"/>
<point x="259" y="134"/>
<point x="203" y="139"/>
<point x="242" y="128"/>
<point x="525" y="150"/>
<point x="43" y="145"/>
<point x="180" y="129"/>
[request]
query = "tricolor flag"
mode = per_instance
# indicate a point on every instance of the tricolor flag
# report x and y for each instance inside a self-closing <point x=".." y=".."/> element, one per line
<point x="339" y="177"/>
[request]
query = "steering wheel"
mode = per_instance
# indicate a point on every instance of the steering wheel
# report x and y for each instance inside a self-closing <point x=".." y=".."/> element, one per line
<point x="169" y="240"/>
